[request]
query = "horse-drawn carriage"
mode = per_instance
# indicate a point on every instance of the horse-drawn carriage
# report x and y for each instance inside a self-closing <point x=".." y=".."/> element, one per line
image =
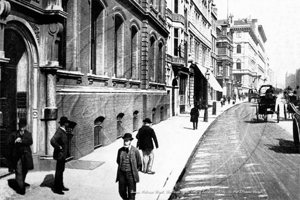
<point x="266" y="103"/>
<point x="290" y="98"/>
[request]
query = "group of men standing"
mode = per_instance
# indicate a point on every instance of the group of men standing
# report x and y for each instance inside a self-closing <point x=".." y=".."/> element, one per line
<point x="128" y="158"/>
<point x="20" y="155"/>
<point x="130" y="162"/>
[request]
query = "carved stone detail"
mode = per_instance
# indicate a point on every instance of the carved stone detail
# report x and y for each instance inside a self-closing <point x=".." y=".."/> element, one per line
<point x="36" y="30"/>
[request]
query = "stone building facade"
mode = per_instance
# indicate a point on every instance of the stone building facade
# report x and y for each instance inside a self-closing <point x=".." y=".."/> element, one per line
<point x="225" y="61"/>
<point x="251" y="63"/>
<point x="202" y="79"/>
<point x="101" y="63"/>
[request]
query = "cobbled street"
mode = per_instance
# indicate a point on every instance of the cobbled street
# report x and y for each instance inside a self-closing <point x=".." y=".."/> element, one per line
<point x="240" y="157"/>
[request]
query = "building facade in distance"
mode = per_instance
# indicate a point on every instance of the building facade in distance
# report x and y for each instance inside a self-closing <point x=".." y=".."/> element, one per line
<point x="251" y="63"/>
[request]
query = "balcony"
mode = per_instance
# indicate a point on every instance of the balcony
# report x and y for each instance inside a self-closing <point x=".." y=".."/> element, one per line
<point x="242" y="71"/>
<point x="175" y="17"/>
<point x="175" y="60"/>
<point x="178" y="18"/>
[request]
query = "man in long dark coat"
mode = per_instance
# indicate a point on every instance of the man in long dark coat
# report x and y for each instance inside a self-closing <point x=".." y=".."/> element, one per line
<point x="194" y="116"/>
<point x="129" y="163"/>
<point x="146" y="136"/>
<point x="20" y="158"/>
<point x="60" y="143"/>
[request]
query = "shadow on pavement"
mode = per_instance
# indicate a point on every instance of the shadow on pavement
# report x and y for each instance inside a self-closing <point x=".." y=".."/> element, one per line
<point x="254" y="121"/>
<point x="49" y="182"/>
<point x="188" y="128"/>
<point x="285" y="146"/>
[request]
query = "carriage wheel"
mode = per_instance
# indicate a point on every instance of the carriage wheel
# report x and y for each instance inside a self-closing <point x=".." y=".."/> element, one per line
<point x="257" y="113"/>
<point x="266" y="117"/>
<point x="284" y="110"/>
<point x="295" y="132"/>
<point x="278" y="114"/>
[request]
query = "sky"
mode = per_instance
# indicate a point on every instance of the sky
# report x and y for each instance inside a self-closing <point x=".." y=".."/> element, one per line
<point x="281" y="22"/>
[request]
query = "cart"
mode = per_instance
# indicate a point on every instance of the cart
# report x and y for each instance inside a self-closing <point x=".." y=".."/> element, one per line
<point x="290" y="98"/>
<point x="266" y="103"/>
<point x="296" y="123"/>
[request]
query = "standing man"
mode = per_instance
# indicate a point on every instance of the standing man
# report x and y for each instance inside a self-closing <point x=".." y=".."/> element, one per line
<point x="60" y="143"/>
<point x="145" y="136"/>
<point x="194" y="116"/>
<point x="129" y="163"/>
<point x="20" y="154"/>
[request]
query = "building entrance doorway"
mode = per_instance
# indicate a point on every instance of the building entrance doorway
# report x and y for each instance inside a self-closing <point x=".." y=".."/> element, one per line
<point x="14" y="88"/>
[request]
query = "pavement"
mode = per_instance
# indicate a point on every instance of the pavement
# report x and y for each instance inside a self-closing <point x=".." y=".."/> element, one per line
<point x="176" y="139"/>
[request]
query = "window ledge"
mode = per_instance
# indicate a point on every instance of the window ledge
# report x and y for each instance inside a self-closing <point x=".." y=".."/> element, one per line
<point x="70" y="74"/>
<point x="101" y="78"/>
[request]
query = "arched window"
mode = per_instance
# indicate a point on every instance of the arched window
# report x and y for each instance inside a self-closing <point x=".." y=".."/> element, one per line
<point x="98" y="137"/>
<point x="134" y="54"/>
<point x="120" y="128"/>
<point x="119" y="46"/>
<point x="238" y="49"/>
<point x="238" y="64"/>
<point x="135" y="120"/>
<point x="153" y="115"/>
<point x="162" y="113"/>
<point x="151" y="59"/>
<point x="97" y="28"/>
<point x="159" y="67"/>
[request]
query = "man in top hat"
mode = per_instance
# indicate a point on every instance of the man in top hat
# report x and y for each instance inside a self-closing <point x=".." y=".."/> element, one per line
<point x="145" y="136"/>
<point x="59" y="141"/>
<point x="129" y="163"/>
<point x="20" y="155"/>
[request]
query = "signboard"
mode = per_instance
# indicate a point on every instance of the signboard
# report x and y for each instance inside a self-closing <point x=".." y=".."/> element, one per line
<point x="21" y="99"/>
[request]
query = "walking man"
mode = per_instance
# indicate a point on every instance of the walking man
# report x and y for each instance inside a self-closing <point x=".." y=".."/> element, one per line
<point x="60" y="143"/>
<point x="129" y="163"/>
<point x="20" y="154"/>
<point x="145" y="136"/>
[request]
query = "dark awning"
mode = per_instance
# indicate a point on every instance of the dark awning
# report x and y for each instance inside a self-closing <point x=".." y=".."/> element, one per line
<point x="212" y="80"/>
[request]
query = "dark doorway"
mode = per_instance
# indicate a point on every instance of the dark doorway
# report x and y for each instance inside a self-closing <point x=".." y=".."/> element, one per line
<point x="174" y="84"/>
<point x="13" y="89"/>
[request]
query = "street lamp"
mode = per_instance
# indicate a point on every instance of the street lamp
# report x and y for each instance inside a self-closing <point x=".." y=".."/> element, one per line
<point x="207" y="74"/>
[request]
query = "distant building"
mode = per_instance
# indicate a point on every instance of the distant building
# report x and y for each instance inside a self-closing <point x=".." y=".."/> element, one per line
<point x="225" y="61"/>
<point x="250" y="61"/>
<point x="292" y="79"/>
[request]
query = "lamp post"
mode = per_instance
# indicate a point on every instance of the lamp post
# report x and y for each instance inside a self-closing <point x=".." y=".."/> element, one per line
<point x="206" y="97"/>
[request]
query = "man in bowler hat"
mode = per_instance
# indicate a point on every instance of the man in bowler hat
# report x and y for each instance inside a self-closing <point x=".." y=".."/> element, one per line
<point x="129" y="163"/>
<point x="60" y="144"/>
<point x="20" y="155"/>
<point x="145" y="136"/>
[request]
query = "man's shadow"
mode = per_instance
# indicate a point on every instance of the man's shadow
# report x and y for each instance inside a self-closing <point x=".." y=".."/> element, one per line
<point x="49" y="182"/>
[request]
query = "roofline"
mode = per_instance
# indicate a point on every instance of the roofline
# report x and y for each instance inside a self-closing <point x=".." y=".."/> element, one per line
<point x="262" y="32"/>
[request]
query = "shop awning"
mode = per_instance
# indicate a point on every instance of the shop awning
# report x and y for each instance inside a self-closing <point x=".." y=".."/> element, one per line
<point x="212" y="80"/>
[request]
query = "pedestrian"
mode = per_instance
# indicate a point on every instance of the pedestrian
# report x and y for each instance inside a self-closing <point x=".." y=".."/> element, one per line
<point x="129" y="163"/>
<point x="194" y="116"/>
<point x="146" y="136"/>
<point x="59" y="141"/>
<point x="20" y="155"/>
<point x="228" y="99"/>
<point x="222" y="101"/>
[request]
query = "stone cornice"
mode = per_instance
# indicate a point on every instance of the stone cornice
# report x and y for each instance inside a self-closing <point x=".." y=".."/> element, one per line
<point x="246" y="28"/>
<point x="37" y="10"/>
